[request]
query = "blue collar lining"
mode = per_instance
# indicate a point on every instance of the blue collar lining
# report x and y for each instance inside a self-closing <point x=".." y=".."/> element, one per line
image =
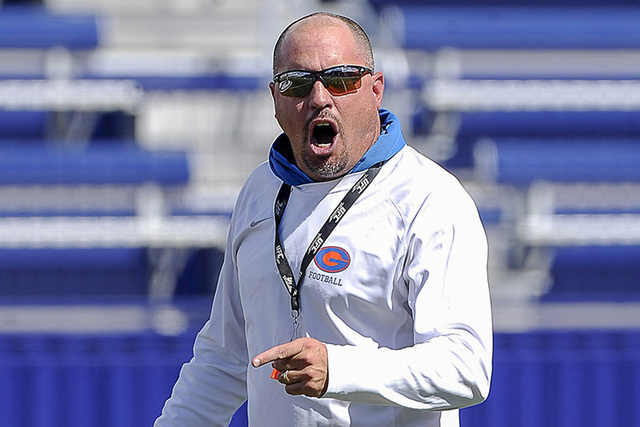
<point x="386" y="146"/>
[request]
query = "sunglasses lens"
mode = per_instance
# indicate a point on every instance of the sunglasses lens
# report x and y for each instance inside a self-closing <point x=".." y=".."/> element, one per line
<point x="343" y="80"/>
<point x="342" y="85"/>
<point x="338" y="81"/>
<point x="296" y="85"/>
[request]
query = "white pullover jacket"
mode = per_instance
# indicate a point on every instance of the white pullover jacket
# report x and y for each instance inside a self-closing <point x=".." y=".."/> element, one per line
<point x="398" y="294"/>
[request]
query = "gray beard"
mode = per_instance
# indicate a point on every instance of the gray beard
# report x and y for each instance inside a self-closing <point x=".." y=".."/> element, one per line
<point x="328" y="167"/>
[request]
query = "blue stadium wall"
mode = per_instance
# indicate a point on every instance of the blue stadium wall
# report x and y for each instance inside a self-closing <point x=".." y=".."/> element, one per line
<point x="588" y="378"/>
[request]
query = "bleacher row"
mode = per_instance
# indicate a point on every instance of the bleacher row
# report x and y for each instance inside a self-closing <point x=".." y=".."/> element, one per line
<point x="534" y="104"/>
<point x="101" y="204"/>
<point x="106" y="240"/>
<point x="538" y="100"/>
<point x="512" y="122"/>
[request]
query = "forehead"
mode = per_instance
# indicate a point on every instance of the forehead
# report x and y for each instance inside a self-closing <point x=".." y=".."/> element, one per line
<point x="319" y="44"/>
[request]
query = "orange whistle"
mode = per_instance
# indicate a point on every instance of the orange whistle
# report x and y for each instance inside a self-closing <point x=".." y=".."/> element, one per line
<point x="274" y="374"/>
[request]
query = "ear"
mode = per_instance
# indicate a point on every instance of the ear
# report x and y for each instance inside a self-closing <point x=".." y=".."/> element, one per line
<point x="272" y="89"/>
<point x="378" y="88"/>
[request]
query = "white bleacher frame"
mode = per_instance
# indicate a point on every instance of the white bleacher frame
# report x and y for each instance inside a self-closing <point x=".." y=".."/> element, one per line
<point x="461" y="95"/>
<point x="201" y="231"/>
<point x="70" y="95"/>
<point x="171" y="38"/>
<point x="528" y="80"/>
<point x="543" y="225"/>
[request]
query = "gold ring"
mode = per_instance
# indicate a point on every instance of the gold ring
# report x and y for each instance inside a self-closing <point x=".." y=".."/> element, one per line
<point x="285" y="377"/>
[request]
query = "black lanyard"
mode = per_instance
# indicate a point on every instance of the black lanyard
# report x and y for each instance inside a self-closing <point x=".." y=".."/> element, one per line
<point x="281" y="260"/>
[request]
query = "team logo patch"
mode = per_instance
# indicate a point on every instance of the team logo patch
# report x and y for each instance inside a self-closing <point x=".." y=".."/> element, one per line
<point x="332" y="259"/>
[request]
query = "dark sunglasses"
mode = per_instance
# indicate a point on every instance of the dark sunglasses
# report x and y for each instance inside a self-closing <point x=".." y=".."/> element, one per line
<point x="338" y="80"/>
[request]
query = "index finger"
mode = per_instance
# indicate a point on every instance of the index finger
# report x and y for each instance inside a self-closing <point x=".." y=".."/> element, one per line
<point x="279" y="352"/>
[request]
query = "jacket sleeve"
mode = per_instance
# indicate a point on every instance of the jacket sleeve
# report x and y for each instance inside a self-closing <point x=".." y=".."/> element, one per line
<point x="449" y="364"/>
<point x="212" y="385"/>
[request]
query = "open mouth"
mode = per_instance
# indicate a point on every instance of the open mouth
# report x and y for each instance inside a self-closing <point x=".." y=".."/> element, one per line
<point x="322" y="135"/>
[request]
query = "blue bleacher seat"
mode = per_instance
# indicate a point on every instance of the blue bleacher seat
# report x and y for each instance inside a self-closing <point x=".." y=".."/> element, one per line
<point x="35" y="27"/>
<point x="529" y="124"/>
<point x="596" y="273"/>
<point x="200" y="273"/>
<point x="98" y="272"/>
<point x="381" y="4"/>
<point x="37" y="126"/>
<point x="116" y="163"/>
<point x="72" y="272"/>
<point x="525" y="160"/>
<point x="552" y="124"/>
<point x="431" y="28"/>
<point x="23" y="124"/>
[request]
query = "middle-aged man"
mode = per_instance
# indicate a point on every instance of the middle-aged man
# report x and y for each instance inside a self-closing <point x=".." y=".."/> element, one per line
<point x="354" y="288"/>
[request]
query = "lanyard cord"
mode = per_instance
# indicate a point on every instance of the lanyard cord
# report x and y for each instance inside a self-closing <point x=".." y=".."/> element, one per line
<point x="282" y="263"/>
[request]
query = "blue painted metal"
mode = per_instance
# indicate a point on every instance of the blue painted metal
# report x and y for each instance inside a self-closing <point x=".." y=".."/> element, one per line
<point x="503" y="27"/>
<point x="520" y="161"/>
<point x="64" y="272"/>
<point x="596" y="273"/>
<point x="35" y="27"/>
<point x="541" y="378"/>
<point x="122" y="163"/>
<point x="562" y="378"/>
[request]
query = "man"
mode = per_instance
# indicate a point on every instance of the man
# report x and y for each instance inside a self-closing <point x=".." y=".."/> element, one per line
<point x="354" y="288"/>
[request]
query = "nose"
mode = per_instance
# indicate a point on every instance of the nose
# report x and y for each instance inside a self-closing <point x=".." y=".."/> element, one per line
<point x="319" y="97"/>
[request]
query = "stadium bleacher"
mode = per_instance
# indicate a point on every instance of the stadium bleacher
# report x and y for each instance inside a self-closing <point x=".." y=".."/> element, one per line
<point x="113" y="220"/>
<point x="537" y="101"/>
<point x="127" y="127"/>
<point x="522" y="93"/>
<point x="515" y="27"/>
<point x="67" y="129"/>
<point x="34" y="27"/>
